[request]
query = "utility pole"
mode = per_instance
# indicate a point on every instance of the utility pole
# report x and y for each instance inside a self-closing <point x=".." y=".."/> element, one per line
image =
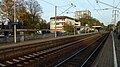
<point x="115" y="11"/>
<point x="74" y="28"/>
<point x="115" y="15"/>
<point x="75" y="16"/>
<point x="14" y="21"/>
<point x="97" y="1"/>
<point x="55" y="20"/>
<point x="60" y="14"/>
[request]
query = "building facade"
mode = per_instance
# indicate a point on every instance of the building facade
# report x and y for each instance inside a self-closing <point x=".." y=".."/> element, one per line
<point x="61" y="21"/>
<point x="83" y="14"/>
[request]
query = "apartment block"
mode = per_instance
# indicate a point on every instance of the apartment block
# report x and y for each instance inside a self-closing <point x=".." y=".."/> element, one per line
<point x="83" y="14"/>
<point x="61" y="21"/>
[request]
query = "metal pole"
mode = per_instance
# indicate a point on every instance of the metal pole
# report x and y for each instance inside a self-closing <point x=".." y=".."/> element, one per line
<point x="74" y="29"/>
<point x="108" y="5"/>
<point x="74" y="26"/>
<point x="115" y="18"/>
<point x="55" y="20"/>
<point x="14" y="21"/>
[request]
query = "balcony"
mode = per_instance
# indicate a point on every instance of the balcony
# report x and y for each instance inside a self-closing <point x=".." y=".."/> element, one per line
<point x="59" y="25"/>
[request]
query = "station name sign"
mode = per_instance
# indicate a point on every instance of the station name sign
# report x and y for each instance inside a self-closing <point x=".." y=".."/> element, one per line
<point x="15" y="23"/>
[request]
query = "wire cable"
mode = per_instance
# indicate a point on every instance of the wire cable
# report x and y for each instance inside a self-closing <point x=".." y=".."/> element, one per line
<point x="48" y="2"/>
<point x="94" y="8"/>
<point x="118" y="4"/>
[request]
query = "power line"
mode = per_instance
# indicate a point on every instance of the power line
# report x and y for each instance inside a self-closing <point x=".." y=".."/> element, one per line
<point x="94" y="8"/>
<point x="74" y="3"/>
<point x="66" y="9"/>
<point x="90" y="3"/>
<point x="64" y="0"/>
<point x="48" y="2"/>
<point x="113" y="2"/>
<point x="118" y="4"/>
<point x="102" y="9"/>
<point x="60" y="10"/>
<point x="63" y="6"/>
<point x="108" y="5"/>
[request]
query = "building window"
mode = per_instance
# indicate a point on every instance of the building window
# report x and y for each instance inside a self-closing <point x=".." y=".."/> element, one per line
<point x="57" y="23"/>
<point x="53" y="19"/>
<point x="63" y="19"/>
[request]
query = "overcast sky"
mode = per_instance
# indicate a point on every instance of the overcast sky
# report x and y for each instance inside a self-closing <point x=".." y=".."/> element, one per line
<point x="105" y="16"/>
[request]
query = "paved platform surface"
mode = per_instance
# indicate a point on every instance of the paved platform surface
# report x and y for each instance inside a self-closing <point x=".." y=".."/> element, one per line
<point x="105" y="57"/>
<point x="117" y="46"/>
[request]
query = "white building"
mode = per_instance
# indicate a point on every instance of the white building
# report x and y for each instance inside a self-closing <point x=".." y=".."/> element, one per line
<point x="61" y="21"/>
<point x="83" y="14"/>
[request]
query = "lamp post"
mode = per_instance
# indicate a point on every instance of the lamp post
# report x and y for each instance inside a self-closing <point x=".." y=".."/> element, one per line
<point x="60" y="14"/>
<point x="14" y="21"/>
<point x="55" y="20"/>
<point x="74" y="29"/>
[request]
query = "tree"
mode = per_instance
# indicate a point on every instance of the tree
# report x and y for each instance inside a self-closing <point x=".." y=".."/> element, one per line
<point x="90" y="22"/>
<point x="34" y="14"/>
<point x="68" y="27"/>
<point x="34" y="9"/>
<point x="7" y="9"/>
<point x="43" y="24"/>
<point x="28" y="12"/>
<point x="110" y="27"/>
<point x="118" y="24"/>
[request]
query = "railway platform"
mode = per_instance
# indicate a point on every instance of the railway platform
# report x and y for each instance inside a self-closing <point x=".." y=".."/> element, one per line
<point x="36" y="41"/>
<point x="109" y="55"/>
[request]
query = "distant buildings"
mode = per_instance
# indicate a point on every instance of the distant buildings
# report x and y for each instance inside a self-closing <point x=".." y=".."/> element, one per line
<point x="83" y="14"/>
<point x="61" y="21"/>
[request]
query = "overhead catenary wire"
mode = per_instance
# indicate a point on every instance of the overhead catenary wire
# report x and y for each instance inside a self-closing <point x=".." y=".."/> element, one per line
<point x="48" y="2"/>
<point x="103" y="9"/>
<point x="94" y="8"/>
<point x="58" y="6"/>
<point x="70" y="2"/>
<point x="72" y="5"/>
<point x="64" y="0"/>
<point x="108" y="5"/>
<point x="118" y="4"/>
<point x="61" y="7"/>
<point x="113" y="2"/>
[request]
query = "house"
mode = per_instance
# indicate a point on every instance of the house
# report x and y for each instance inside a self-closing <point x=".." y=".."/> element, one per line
<point x="61" y="21"/>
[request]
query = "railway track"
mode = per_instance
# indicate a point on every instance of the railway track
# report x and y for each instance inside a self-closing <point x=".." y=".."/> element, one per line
<point x="12" y="50"/>
<point x="51" y="59"/>
<point x="84" y="57"/>
<point x="31" y="55"/>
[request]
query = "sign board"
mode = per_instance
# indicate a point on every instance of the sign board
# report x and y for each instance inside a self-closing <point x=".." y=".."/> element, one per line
<point x="15" y="23"/>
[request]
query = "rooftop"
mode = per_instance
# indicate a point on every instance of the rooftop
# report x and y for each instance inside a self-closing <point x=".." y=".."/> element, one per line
<point x="63" y="17"/>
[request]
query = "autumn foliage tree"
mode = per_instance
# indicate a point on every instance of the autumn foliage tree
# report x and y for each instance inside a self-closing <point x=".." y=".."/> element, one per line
<point x="7" y="9"/>
<point x="28" y="12"/>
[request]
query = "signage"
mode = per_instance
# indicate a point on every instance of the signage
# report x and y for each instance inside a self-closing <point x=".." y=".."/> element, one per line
<point x="15" y="23"/>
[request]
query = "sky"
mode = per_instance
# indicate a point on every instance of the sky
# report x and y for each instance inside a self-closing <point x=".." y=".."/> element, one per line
<point x="104" y="16"/>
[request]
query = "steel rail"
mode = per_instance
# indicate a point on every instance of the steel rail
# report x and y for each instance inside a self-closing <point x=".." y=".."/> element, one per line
<point x="83" y="64"/>
<point x="57" y="65"/>
<point x="56" y="48"/>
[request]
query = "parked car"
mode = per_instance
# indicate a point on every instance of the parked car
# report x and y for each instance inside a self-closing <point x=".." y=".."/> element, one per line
<point x="43" y="31"/>
<point x="2" y="35"/>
